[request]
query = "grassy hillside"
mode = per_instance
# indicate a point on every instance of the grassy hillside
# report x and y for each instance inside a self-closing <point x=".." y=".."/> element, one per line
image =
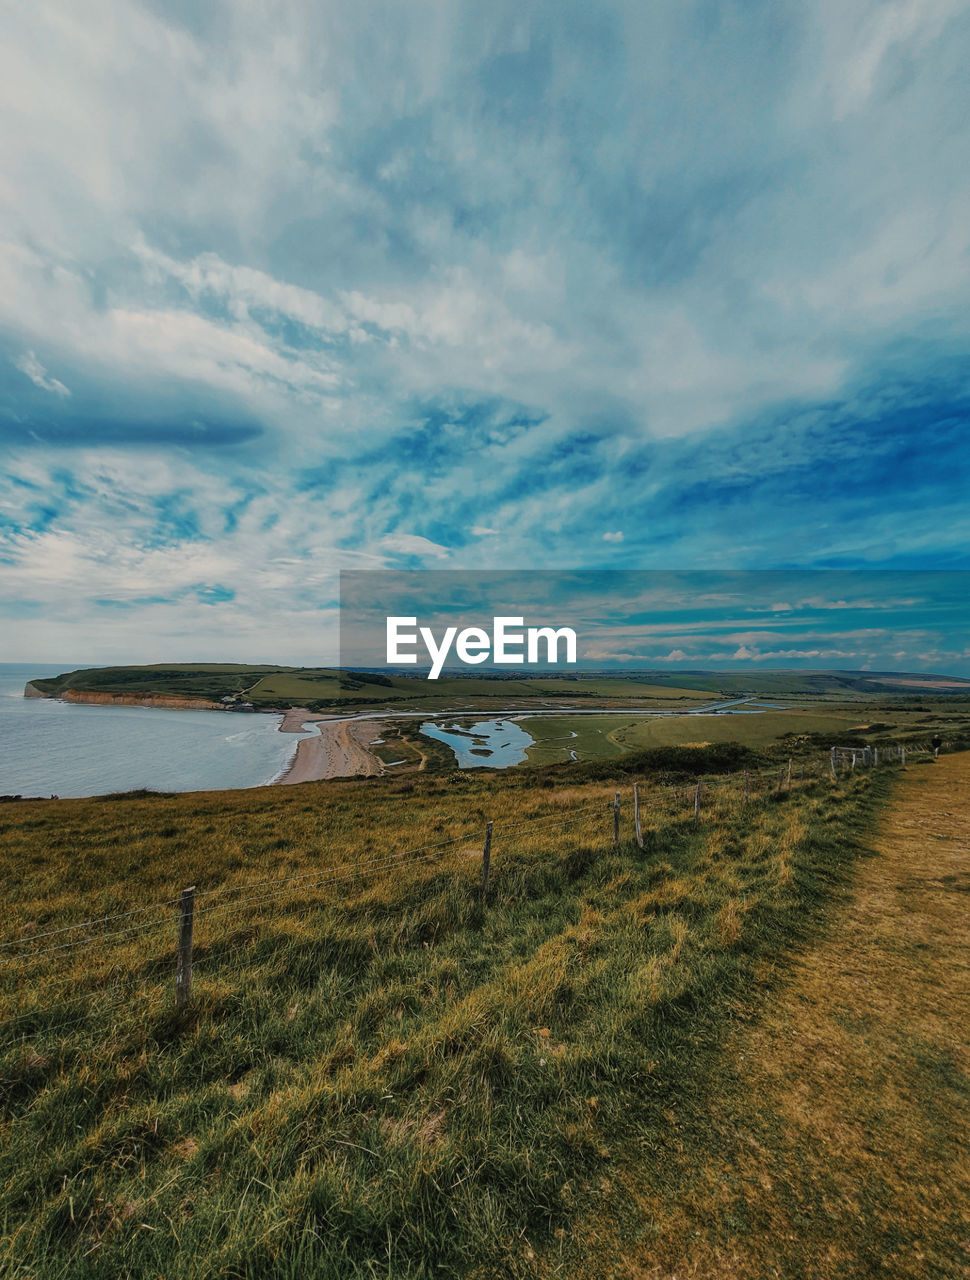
<point x="608" y="736"/>
<point x="323" y="688"/>
<point x="379" y="1073"/>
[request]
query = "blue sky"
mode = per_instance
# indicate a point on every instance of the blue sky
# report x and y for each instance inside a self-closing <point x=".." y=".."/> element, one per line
<point x="290" y="289"/>
<point x="634" y="619"/>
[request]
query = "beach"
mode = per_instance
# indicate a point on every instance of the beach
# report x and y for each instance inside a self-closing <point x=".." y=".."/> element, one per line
<point x="340" y="749"/>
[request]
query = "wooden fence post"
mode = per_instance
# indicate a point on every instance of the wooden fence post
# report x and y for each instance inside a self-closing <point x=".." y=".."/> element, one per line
<point x="636" y="814"/>
<point x="875" y="755"/>
<point x="835" y="772"/>
<point x="789" y="773"/>
<point x="616" y="820"/>
<point x="903" y="750"/>
<point x="697" y="803"/>
<point x="486" y="859"/>
<point x="183" y="964"/>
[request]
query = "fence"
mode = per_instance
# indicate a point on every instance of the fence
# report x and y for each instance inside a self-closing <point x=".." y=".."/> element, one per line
<point x="594" y="820"/>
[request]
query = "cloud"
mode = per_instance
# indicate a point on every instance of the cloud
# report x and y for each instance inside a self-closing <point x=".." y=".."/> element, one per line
<point x="35" y="371"/>
<point x="599" y="654"/>
<point x="242" y="289"/>
<point x="409" y="544"/>
<point x="745" y="654"/>
<point x="479" y="290"/>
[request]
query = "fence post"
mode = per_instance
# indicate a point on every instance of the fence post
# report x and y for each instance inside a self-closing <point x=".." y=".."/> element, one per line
<point x="875" y="755"/>
<point x="486" y="859"/>
<point x="616" y="820"/>
<point x="636" y="814"/>
<point x="183" y="964"/>
<point x="697" y="803"/>
<point x="903" y="750"/>
<point x="789" y="774"/>
<point x="835" y="772"/>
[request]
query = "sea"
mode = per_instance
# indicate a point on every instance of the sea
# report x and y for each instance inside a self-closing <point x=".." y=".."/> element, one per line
<point x="72" y="749"/>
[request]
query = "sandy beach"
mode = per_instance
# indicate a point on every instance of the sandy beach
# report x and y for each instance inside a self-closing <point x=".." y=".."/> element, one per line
<point x="339" y="751"/>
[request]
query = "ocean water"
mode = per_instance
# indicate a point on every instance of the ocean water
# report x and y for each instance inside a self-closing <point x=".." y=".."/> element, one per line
<point x="69" y="749"/>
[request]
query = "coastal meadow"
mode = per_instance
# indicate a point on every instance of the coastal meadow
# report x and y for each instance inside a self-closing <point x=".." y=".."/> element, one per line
<point x="382" y="1070"/>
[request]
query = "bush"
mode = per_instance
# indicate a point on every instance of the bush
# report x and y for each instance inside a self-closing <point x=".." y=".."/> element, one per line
<point x="689" y="762"/>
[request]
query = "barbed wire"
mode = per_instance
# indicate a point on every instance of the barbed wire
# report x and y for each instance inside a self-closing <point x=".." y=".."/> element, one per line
<point x="86" y="924"/>
<point x="421" y="854"/>
<point x="120" y="1002"/>
<point x="258" y="884"/>
<point x="355" y="868"/>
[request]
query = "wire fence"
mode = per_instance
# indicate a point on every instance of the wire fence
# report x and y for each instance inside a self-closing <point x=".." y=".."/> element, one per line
<point x="137" y="961"/>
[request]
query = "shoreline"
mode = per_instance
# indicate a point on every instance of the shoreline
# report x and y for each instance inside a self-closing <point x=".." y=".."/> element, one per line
<point x="339" y="749"/>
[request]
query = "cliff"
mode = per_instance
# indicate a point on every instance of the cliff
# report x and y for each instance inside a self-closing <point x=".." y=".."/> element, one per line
<point x="166" y="700"/>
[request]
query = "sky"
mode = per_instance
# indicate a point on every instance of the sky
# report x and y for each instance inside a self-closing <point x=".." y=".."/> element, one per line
<point x="290" y="289"/>
<point x="660" y="619"/>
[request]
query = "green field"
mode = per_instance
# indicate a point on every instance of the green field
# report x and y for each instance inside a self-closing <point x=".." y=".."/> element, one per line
<point x="555" y="740"/>
<point x="322" y="688"/>
<point x="378" y="1074"/>
<point x="599" y="737"/>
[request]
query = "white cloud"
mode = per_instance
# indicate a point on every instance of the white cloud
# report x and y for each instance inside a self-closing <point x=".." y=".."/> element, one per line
<point x="863" y="38"/>
<point x="35" y="371"/>
<point x="270" y="213"/>
<point x="410" y="544"/>
<point x="243" y="288"/>
<point x="746" y="654"/>
<point x="599" y="654"/>
<point x="250" y="145"/>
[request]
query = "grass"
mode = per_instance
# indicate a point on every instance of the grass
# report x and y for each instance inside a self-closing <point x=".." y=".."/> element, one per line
<point x="377" y="1075"/>
<point x="268" y="686"/>
<point x="322" y="688"/>
<point x="603" y="737"/>
<point x="832" y="1133"/>
<point x="757" y="731"/>
<point x="401" y="742"/>
<point x="591" y="737"/>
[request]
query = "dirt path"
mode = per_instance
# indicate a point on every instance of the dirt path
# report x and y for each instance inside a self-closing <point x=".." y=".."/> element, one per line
<point x="839" y="1145"/>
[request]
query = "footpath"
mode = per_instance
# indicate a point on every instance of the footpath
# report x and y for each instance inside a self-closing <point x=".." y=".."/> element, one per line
<point x="838" y="1140"/>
